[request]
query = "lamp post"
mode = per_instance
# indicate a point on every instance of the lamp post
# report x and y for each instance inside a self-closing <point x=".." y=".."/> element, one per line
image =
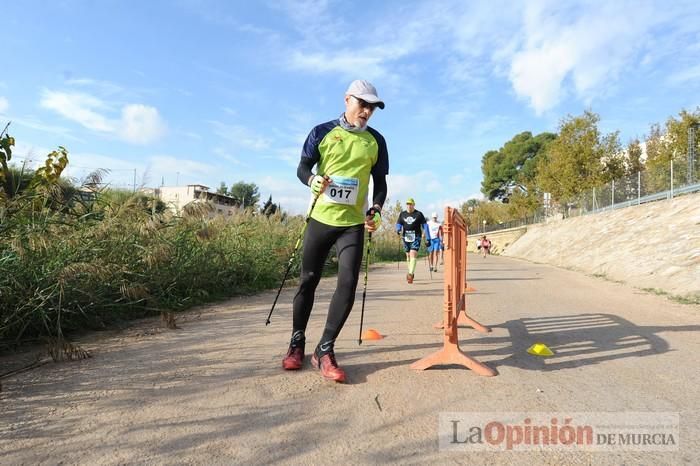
<point x="691" y="151"/>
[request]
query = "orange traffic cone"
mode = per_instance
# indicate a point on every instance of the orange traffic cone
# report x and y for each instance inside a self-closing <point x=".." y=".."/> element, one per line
<point x="372" y="334"/>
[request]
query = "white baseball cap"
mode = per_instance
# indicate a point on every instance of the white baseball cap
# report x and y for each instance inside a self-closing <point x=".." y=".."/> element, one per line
<point x="366" y="91"/>
<point x="434" y="215"/>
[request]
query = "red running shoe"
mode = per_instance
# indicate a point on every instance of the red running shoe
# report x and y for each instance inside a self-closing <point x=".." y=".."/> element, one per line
<point x="409" y="277"/>
<point x="294" y="359"/>
<point x="329" y="368"/>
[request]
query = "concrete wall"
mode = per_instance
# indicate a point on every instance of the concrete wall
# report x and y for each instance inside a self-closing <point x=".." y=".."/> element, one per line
<point x="654" y="245"/>
<point x="500" y="240"/>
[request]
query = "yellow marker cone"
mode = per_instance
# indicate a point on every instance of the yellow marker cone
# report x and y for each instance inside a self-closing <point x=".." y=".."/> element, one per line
<point x="372" y="334"/>
<point x="540" y="349"/>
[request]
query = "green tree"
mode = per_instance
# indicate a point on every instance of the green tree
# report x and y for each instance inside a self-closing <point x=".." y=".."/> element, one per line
<point x="245" y="194"/>
<point x="677" y="132"/>
<point x="579" y="159"/>
<point x="522" y="204"/>
<point x="222" y="189"/>
<point x="478" y="214"/>
<point x="670" y="144"/>
<point x="657" y="169"/>
<point x="269" y="208"/>
<point x="468" y="211"/>
<point x="6" y="143"/>
<point x="513" y="166"/>
<point x="634" y="162"/>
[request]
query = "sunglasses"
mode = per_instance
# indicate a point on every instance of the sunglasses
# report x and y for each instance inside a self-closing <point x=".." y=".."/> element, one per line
<point x="365" y="104"/>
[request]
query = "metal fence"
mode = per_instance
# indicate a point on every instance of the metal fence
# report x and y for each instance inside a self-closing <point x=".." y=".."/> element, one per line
<point x="646" y="186"/>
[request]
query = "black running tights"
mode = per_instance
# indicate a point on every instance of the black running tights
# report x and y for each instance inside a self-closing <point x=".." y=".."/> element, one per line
<point x="318" y="240"/>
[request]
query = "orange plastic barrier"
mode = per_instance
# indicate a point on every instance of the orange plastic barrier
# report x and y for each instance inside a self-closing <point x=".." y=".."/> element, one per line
<point x="467" y="289"/>
<point x="454" y="304"/>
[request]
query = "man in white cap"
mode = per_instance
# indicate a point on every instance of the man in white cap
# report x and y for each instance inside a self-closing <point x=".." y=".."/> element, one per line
<point x="435" y="231"/>
<point x="346" y="152"/>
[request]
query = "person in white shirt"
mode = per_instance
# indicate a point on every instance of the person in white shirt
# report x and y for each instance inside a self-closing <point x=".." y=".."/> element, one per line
<point x="435" y="245"/>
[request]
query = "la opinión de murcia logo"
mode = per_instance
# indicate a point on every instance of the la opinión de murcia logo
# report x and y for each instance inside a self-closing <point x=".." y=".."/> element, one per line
<point x="590" y="431"/>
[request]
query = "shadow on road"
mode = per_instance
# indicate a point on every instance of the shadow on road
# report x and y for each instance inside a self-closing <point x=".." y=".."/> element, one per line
<point x="577" y="340"/>
<point x="489" y="279"/>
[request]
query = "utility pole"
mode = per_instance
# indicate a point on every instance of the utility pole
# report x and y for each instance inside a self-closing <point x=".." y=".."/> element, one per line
<point x="134" y="180"/>
<point x="691" y="152"/>
<point x="612" y="196"/>
<point x="639" y="187"/>
<point x="674" y="156"/>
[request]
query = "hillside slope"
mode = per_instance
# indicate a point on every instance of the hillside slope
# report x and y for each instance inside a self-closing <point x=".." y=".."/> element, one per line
<point x="655" y="245"/>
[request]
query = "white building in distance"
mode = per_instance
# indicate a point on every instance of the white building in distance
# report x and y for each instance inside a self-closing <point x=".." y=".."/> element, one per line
<point x="177" y="197"/>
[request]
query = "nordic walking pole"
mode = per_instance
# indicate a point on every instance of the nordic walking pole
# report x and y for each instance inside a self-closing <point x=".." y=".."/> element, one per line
<point x="3" y="131"/>
<point x="401" y="254"/>
<point x="364" y="292"/>
<point x="294" y="253"/>
<point x="427" y="259"/>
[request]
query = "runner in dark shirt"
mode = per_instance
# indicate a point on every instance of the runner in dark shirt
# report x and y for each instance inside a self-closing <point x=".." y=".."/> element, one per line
<point x="410" y="227"/>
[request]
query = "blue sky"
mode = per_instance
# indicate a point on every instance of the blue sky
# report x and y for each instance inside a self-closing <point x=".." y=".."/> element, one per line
<point x="209" y="91"/>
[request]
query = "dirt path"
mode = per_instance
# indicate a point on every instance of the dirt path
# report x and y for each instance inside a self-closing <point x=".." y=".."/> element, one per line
<point x="213" y="392"/>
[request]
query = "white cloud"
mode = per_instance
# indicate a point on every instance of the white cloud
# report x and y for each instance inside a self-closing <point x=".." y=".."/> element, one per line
<point x="454" y="201"/>
<point x="346" y="63"/>
<point x="117" y="171"/>
<point x="91" y="161"/>
<point x="141" y="124"/>
<point x="591" y="48"/>
<point x="226" y="156"/>
<point x="230" y="111"/>
<point x="456" y="179"/>
<point x="78" y="107"/>
<point x="488" y="125"/>
<point x="689" y="74"/>
<point x="456" y="120"/>
<point x="426" y="185"/>
<point x="4" y="104"/>
<point x="180" y="171"/>
<point x="290" y="155"/>
<point x="169" y="164"/>
<point x="402" y="186"/>
<point x="29" y="155"/>
<point x="240" y="136"/>
<point x="34" y="123"/>
<point x="105" y="87"/>
<point x="376" y="56"/>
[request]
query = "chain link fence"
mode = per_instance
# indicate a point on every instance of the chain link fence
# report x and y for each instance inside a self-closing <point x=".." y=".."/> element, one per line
<point x="665" y="182"/>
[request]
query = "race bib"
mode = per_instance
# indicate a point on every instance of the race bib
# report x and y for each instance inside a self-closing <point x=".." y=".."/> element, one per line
<point x="409" y="236"/>
<point x="342" y="190"/>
